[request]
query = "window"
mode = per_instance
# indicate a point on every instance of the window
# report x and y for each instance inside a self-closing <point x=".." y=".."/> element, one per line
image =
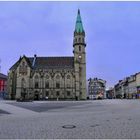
<point x="68" y="85"/>
<point x="23" y="83"/>
<point x="47" y="93"/>
<point x="57" y="93"/>
<point x="79" y="39"/>
<point x="36" y="85"/>
<point x="36" y="77"/>
<point x="47" y="85"/>
<point x="80" y="71"/>
<point x="23" y="69"/>
<point x="23" y="63"/>
<point x="36" y="82"/>
<point x="57" y="77"/>
<point x="57" y="85"/>
<point x="47" y="77"/>
<point x="68" y="93"/>
<point x="79" y="48"/>
<point x="68" y="76"/>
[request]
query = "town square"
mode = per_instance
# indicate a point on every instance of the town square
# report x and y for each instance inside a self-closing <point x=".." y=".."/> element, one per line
<point x="69" y="70"/>
<point x="96" y="119"/>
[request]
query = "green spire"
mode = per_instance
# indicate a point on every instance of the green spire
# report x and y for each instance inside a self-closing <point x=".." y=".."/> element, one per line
<point x="79" y="25"/>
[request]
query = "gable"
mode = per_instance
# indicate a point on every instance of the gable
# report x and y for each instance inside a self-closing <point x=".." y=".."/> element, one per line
<point x="19" y="61"/>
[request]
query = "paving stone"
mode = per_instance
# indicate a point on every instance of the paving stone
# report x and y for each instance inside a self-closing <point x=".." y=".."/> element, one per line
<point x="92" y="119"/>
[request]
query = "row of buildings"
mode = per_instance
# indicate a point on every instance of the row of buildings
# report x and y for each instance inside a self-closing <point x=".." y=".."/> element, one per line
<point x="129" y="87"/>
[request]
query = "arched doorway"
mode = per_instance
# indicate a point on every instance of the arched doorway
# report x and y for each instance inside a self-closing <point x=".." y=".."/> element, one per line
<point x="23" y="89"/>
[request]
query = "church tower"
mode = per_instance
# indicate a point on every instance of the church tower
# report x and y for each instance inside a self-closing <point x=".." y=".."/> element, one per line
<point x="79" y="58"/>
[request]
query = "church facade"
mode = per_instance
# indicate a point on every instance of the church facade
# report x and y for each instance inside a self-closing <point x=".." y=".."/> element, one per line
<point x="53" y="77"/>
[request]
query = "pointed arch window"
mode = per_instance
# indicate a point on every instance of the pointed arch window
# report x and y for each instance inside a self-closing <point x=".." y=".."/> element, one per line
<point x="57" y="85"/>
<point x="23" y="83"/>
<point x="47" y="85"/>
<point x="47" y="93"/>
<point x="83" y="40"/>
<point x="68" y="76"/>
<point x="57" y="77"/>
<point x="36" y="81"/>
<point x="57" y="93"/>
<point x="47" y="76"/>
<point x="68" y="93"/>
<point x="36" y="84"/>
<point x="68" y="85"/>
<point x="79" y="48"/>
<point x="23" y="68"/>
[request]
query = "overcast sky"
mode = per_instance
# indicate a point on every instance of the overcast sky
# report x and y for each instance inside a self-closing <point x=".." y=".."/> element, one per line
<point x="46" y="29"/>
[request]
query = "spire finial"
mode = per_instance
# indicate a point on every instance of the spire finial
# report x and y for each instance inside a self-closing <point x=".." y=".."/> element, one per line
<point x="79" y="11"/>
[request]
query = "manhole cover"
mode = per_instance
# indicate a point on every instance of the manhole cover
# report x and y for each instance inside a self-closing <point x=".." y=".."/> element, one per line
<point x="94" y="125"/>
<point x="69" y="126"/>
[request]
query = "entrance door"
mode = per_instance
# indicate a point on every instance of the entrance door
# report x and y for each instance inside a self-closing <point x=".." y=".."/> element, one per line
<point x="36" y="95"/>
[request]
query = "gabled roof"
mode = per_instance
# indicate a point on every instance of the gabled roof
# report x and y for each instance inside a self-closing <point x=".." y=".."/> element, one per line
<point x="14" y="66"/>
<point x="47" y="62"/>
<point x="17" y="63"/>
<point x="2" y="76"/>
<point x="53" y="62"/>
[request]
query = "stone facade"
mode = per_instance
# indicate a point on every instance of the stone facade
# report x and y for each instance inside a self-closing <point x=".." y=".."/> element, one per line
<point x="52" y="77"/>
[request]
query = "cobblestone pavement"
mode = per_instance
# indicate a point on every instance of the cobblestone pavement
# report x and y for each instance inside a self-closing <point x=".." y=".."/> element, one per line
<point x="105" y="119"/>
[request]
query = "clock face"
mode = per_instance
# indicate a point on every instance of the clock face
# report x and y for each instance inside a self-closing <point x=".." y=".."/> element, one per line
<point x="80" y="56"/>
